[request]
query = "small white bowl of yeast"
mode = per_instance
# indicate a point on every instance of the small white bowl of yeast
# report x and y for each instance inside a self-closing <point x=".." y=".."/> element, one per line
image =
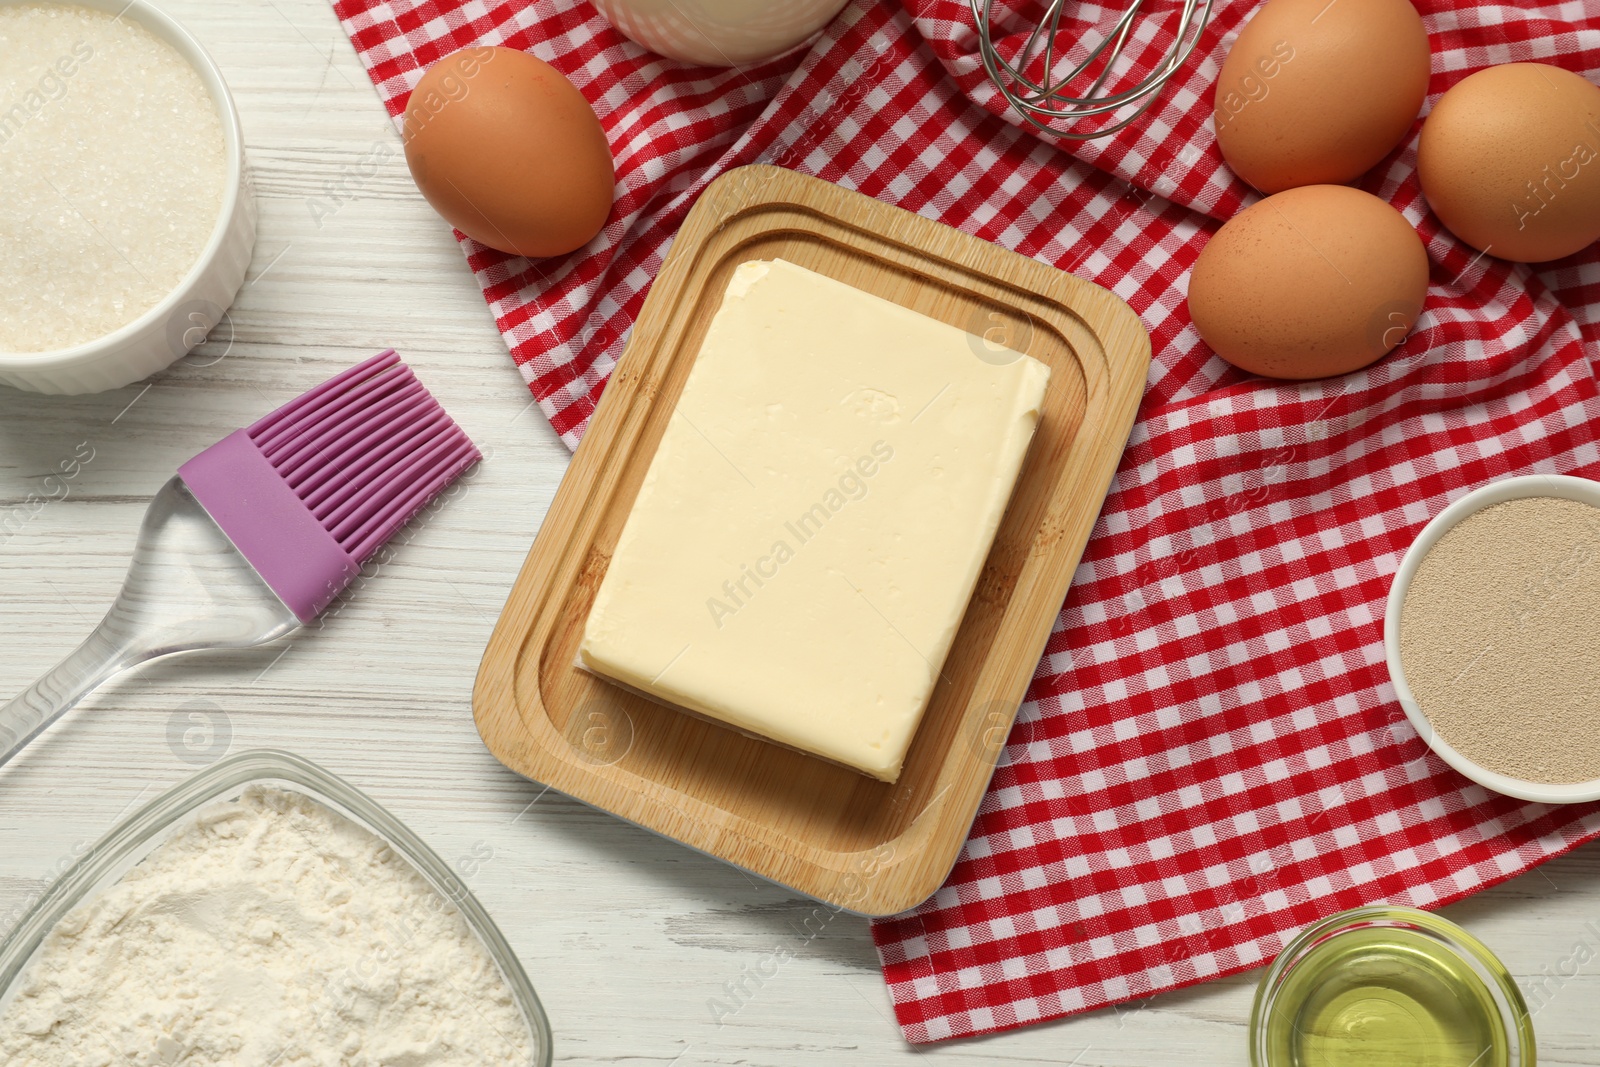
<point x="1491" y="657"/>
<point x="127" y="222"/>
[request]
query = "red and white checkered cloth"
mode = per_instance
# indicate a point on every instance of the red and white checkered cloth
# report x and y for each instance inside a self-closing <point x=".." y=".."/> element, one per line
<point x="1211" y="755"/>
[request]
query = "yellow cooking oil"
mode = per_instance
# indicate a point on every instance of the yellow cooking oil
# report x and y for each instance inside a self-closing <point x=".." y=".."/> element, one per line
<point x="1385" y="997"/>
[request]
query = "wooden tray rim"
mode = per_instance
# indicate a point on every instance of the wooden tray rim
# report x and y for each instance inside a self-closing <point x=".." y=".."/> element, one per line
<point x="628" y="399"/>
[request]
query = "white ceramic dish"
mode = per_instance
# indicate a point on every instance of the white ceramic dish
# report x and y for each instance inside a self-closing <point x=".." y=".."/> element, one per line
<point x="719" y="33"/>
<point x="169" y="330"/>
<point x="1557" y="485"/>
<point x="148" y="828"/>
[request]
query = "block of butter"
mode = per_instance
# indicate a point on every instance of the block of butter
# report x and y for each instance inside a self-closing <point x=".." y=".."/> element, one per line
<point x="806" y="539"/>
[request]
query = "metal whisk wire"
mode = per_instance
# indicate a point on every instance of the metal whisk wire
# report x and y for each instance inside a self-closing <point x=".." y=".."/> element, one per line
<point x="1053" y="104"/>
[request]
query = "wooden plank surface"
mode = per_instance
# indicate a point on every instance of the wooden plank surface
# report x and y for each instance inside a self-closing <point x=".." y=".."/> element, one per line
<point x="628" y="937"/>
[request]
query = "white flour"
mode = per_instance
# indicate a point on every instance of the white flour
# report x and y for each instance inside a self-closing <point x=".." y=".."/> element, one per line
<point x="270" y="931"/>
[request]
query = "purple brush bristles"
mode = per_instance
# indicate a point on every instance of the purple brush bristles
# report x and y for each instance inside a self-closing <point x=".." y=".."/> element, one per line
<point x="310" y="492"/>
<point x="365" y="451"/>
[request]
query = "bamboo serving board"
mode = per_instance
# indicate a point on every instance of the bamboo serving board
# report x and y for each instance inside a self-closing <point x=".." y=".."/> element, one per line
<point x="827" y="831"/>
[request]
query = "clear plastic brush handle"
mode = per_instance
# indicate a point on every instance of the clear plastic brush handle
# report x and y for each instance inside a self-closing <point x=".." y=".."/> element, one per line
<point x="188" y="588"/>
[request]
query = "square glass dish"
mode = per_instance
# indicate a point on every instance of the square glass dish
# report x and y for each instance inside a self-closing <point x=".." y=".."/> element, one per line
<point x="147" y="829"/>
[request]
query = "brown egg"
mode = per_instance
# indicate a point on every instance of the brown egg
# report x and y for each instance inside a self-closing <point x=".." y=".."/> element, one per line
<point x="509" y="152"/>
<point x="1308" y="283"/>
<point x="1510" y="161"/>
<point x="1315" y="93"/>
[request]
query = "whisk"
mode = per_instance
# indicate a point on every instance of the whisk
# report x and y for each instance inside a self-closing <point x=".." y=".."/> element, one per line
<point x="1061" y="103"/>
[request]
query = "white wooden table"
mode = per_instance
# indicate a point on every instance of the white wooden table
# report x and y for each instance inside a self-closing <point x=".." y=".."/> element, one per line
<point x="626" y="936"/>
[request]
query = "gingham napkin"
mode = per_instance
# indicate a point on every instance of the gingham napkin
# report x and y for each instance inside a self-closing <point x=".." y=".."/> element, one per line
<point x="1211" y="755"/>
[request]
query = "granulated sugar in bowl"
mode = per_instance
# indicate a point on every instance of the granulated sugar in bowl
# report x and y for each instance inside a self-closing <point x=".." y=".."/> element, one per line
<point x="1491" y="637"/>
<point x="124" y="227"/>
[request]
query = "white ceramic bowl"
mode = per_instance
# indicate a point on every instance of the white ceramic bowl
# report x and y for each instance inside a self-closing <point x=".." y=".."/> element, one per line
<point x="719" y="33"/>
<point x="1557" y="485"/>
<point x="169" y="330"/>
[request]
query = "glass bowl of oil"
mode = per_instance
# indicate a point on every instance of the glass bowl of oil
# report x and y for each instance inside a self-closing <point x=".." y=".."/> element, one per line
<point x="1389" y="987"/>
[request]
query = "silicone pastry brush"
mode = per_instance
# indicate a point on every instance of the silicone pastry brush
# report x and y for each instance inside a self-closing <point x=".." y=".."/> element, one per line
<point x="260" y="532"/>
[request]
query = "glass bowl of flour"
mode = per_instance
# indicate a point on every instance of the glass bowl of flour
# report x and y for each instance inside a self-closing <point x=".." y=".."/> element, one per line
<point x="264" y="912"/>
<point x="127" y="222"/>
